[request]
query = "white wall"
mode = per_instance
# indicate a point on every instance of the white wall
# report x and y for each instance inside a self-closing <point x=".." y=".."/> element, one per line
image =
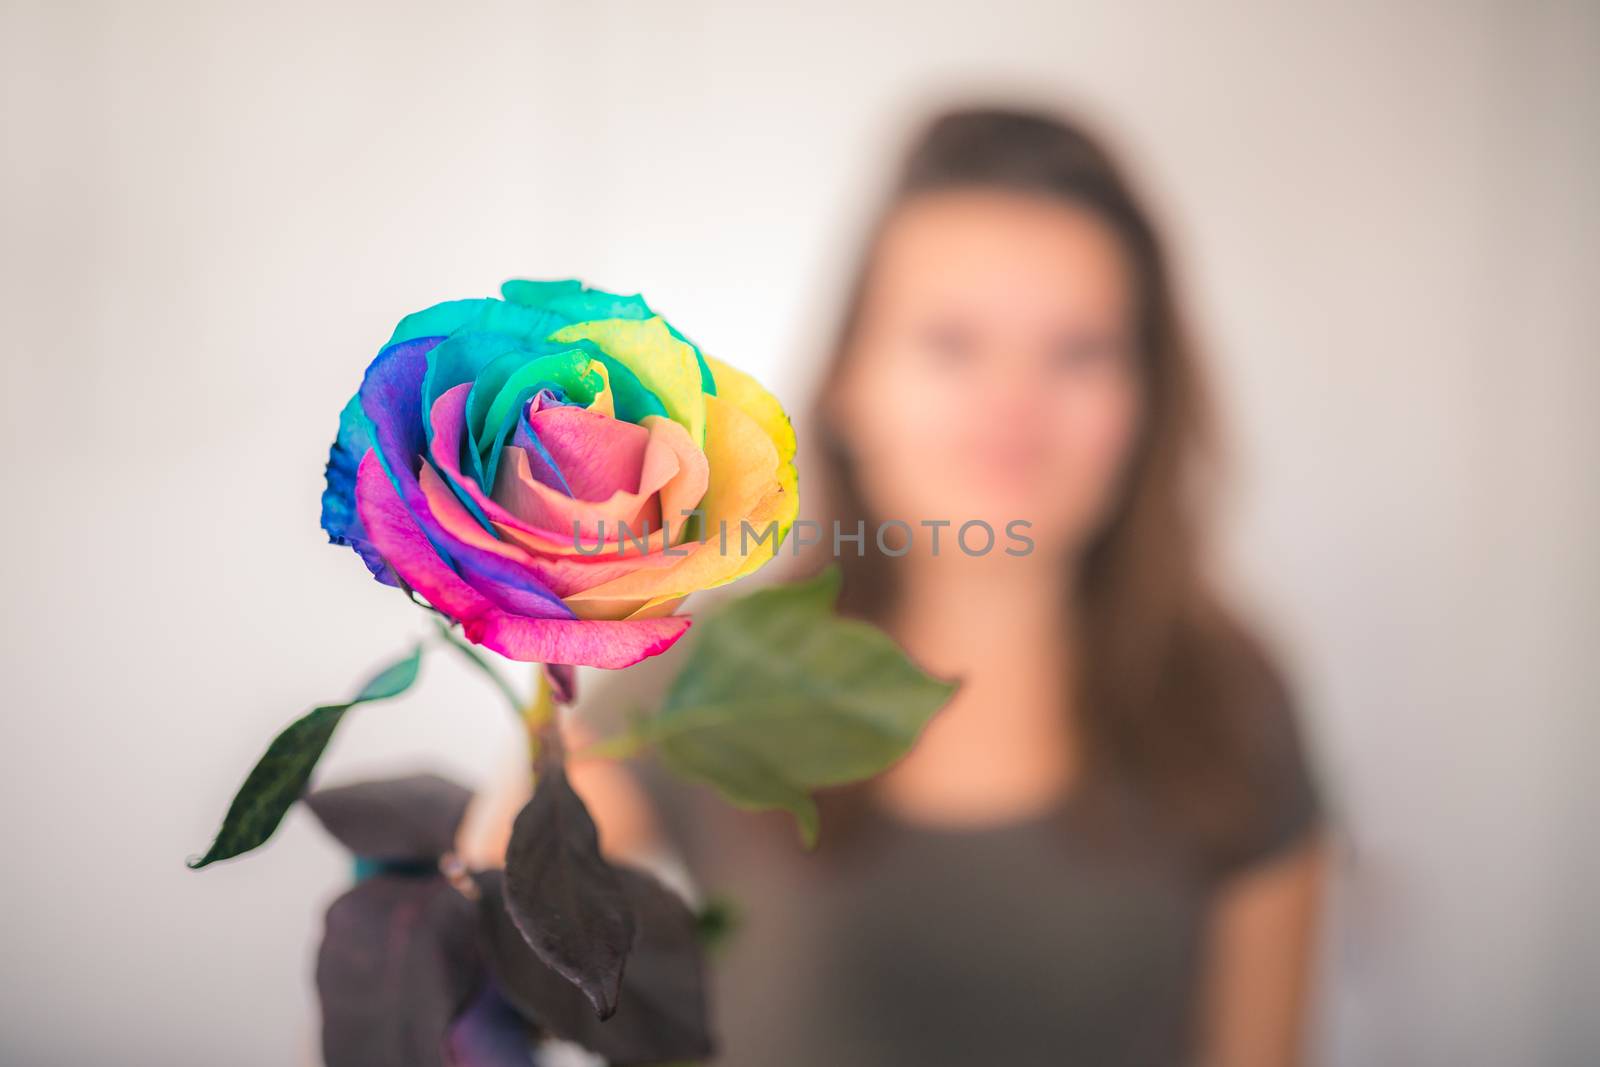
<point x="1388" y="215"/>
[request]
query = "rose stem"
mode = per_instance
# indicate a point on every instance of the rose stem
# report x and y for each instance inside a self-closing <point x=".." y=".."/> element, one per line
<point x="541" y="723"/>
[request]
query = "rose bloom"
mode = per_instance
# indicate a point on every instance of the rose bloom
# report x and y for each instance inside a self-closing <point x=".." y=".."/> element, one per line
<point x="497" y="448"/>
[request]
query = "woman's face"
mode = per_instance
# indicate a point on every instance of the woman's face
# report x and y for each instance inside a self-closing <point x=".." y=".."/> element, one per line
<point x="993" y="373"/>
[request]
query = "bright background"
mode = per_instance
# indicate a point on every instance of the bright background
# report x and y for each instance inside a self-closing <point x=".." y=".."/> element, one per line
<point x="1387" y="216"/>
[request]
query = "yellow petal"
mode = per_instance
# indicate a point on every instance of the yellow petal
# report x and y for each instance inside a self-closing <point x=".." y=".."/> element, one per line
<point x="748" y="483"/>
<point x="603" y="401"/>
<point x="663" y="364"/>
<point x="754" y="400"/>
<point x="750" y="397"/>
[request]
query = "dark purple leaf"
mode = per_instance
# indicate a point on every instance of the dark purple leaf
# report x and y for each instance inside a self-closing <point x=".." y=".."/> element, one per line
<point x="397" y="819"/>
<point x="399" y="959"/>
<point x="564" y="897"/>
<point x="661" y="1012"/>
<point x="490" y="1033"/>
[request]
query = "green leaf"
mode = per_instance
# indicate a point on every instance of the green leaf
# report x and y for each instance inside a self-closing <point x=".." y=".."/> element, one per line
<point x="280" y="776"/>
<point x="781" y="696"/>
<point x="716" y="922"/>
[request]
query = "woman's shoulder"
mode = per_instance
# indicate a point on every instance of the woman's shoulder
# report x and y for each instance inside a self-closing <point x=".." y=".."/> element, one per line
<point x="1276" y="757"/>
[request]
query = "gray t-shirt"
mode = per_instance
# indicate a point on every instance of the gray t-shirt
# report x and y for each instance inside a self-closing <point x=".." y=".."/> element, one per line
<point x="1073" y="937"/>
<point x="1067" y="938"/>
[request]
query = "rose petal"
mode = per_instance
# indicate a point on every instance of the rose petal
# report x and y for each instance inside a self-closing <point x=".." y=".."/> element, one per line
<point x="543" y="464"/>
<point x="447" y="421"/>
<point x="684" y="490"/>
<point x="562" y="575"/>
<point x="748" y="395"/>
<point x="536" y="640"/>
<point x="575" y="301"/>
<point x="551" y="510"/>
<point x="339" y="516"/>
<point x="597" y="456"/>
<point x="672" y="471"/>
<point x="578" y="303"/>
<point x="391" y="398"/>
<point x="667" y="366"/>
<point x="604" y="402"/>
<point x="748" y="483"/>
<point x="478" y="331"/>
<point x="503" y="388"/>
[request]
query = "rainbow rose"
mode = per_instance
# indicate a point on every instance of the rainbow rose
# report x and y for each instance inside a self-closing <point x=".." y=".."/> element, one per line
<point x="503" y="459"/>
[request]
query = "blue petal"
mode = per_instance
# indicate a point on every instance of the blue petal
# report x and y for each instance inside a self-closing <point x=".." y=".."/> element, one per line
<point x="525" y="438"/>
<point x="438" y="320"/>
<point x="391" y="397"/>
<point x="339" y="517"/>
<point x="463" y="356"/>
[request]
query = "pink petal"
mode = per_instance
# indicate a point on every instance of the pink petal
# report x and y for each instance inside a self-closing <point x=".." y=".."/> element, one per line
<point x="540" y="506"/>
<point x="396" y="535"/>
<point x="682" y="490"/>
<point x="448" y="417"/>
<point x="672" y="478"/>
<point x="596" y="454"/>
<point x="562" y="575"/>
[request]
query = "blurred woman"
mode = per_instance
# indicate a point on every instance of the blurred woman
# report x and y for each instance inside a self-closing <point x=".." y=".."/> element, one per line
<point x="1106" y="849"/>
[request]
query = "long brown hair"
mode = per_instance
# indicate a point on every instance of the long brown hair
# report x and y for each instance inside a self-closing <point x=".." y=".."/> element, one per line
<point x="1172" y="689"/>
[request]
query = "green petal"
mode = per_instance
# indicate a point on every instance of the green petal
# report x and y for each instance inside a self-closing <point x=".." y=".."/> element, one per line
<point x="540" y="293"/>
<point x="664" y="364"/>
<point x="631" y="400"/>
<point x="575" y="302"/>
<point x="507" y="384"/>
<point x="494" y="393"/>
<point x="491" y="330"/>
